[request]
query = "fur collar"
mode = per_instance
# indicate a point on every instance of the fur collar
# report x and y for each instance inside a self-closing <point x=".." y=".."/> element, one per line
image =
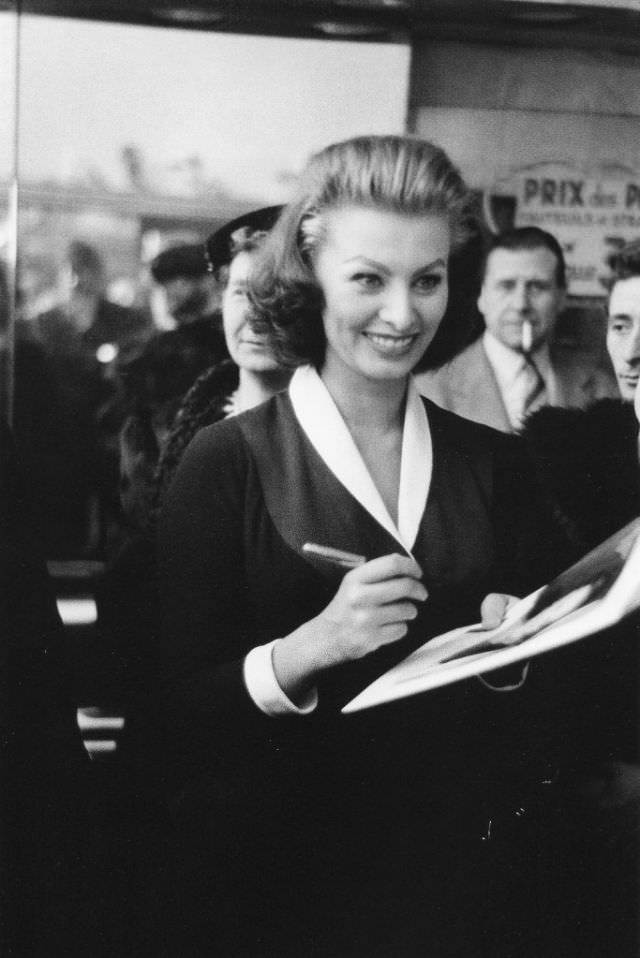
<point x="587" y="461"/>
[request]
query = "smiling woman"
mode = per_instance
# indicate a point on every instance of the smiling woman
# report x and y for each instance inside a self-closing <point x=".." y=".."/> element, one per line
<point x="263" y="638"/>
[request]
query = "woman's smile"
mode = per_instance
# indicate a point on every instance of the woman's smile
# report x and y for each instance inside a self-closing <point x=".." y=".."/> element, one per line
<point x="390" y="345"/>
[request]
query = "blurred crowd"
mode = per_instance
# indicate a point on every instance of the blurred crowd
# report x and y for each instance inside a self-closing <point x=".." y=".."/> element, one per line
<point x="84" y="365"/>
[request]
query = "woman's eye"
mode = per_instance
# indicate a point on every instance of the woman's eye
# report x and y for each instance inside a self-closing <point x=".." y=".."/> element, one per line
<point x="368" y="280"/>
<point x="428" y="283"/>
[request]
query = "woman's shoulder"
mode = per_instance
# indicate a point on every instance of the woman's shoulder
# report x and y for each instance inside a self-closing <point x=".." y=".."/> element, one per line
<point x="219" y="461"/>
<point x="230" y="435"/>
<point x="469" y="435"/>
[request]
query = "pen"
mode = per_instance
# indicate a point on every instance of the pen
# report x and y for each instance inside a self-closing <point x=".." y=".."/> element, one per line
<point x="345" y="560"/>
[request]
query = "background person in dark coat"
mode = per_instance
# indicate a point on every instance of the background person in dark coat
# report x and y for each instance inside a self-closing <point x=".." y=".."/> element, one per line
<point x="67" y="354"/>
<point x="190" y="291"/>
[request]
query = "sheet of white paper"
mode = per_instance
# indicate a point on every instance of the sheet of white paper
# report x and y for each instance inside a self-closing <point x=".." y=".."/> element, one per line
<point x="426" y="669"/>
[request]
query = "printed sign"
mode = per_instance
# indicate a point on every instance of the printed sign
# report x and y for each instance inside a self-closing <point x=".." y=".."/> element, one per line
<point x="590" y="217"/>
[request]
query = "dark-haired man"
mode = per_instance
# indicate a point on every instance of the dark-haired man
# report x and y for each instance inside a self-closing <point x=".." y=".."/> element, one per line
<point x="516" y="366"/>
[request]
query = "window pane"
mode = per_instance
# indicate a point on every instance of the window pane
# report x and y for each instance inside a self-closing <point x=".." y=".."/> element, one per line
<point x="132" y="139"/>
<point x="8" y="79"/>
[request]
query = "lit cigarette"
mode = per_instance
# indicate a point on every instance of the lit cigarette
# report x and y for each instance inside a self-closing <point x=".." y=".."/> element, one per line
<point x="527" y="336"/>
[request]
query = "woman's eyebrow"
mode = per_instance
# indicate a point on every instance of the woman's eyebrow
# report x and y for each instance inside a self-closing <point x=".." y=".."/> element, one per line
<point x="360" y="258"/>
<point x="440" y="262"/>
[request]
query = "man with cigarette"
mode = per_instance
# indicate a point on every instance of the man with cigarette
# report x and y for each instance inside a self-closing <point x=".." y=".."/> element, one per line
<point x="515" y="366"/>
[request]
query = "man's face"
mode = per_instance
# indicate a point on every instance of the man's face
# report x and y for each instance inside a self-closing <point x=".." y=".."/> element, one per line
<point x="519" y="286"/>
<point x="187" y="297"/>
<point x="623" y="335"/>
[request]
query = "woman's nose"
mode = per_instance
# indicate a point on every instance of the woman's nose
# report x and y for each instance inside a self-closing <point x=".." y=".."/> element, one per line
<point x="398" y="307"/>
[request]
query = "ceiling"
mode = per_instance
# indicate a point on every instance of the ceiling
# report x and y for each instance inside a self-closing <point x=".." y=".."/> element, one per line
<point x="583" y="23"/>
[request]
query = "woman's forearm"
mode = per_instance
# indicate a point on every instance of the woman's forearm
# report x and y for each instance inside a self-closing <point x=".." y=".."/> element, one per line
<point x="299" y="658"/>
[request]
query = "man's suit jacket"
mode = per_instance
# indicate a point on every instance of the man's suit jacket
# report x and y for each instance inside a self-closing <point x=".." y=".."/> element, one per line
<point x="467" y="385"/>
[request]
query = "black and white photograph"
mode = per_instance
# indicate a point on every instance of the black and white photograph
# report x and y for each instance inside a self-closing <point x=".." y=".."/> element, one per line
<point x="319" y="479"/>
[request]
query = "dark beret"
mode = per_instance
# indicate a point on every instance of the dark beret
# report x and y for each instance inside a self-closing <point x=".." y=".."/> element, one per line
<point x="186" y="260"/>
<point x="218" y="246"/>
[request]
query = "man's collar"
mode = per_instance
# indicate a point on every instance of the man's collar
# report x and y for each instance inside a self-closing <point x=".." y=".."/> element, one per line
<point x="508" y="362"/>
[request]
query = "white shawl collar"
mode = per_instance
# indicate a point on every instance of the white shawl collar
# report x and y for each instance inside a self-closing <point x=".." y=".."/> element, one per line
<point x="328" y="433"/>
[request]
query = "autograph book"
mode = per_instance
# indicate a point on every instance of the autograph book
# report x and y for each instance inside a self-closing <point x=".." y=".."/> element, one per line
<point x="592" y="595"/>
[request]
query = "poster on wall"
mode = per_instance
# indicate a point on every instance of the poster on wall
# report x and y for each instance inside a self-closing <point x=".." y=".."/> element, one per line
<point x="591" y="216"/>
<point x="576" y="174"/>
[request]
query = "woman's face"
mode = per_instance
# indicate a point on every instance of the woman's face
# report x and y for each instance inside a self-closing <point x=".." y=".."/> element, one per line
<point x="248" y="349"/>
<point x="623" y="334"/>
<point x="384" y="279"/>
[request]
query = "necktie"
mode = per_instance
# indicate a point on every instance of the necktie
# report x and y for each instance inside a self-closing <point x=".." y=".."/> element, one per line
<point x="531" y="387"/>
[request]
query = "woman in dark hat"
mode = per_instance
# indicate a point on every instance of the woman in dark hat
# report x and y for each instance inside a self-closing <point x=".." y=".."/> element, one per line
<point x="151" y="447"/>
<point x="127" y="595"/>
<point x="396" y="831"/>
<point x="252" y="375"/>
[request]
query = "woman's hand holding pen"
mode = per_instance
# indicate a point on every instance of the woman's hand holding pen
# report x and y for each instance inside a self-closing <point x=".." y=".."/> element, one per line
<point x="372" y="608"/>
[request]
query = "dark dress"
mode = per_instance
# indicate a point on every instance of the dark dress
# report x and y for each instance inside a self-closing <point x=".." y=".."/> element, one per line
<point x="360" y="835"/>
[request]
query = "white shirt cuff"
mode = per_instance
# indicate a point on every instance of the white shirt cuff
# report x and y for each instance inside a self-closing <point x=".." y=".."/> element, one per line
<point x="262" y="685"/>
